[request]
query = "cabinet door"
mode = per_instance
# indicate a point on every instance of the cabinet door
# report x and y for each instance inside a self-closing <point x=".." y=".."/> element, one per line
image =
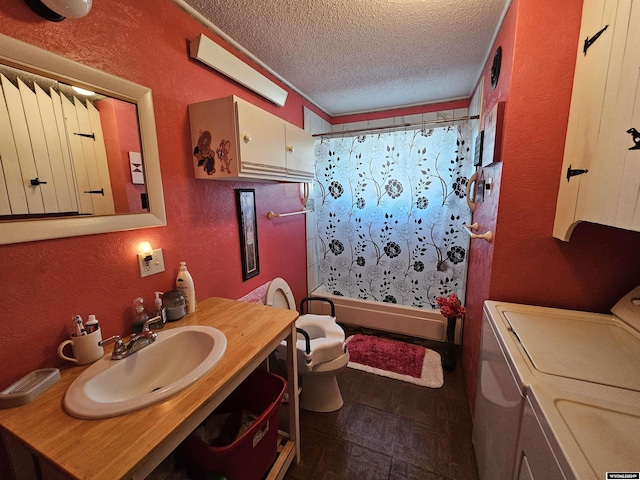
<point x="61" y="173"/>
<point x="613" y="181"/>
<point x="39" y="149"/>
<point x="85" y="203"/>
<point x="300" y="153"/>
<point x="89" y="156"/>
<point x="13" y="197"/>
<point x="261" y="140"/>
<point x="605" y="109"/>
<point x="22" y="146"/>
<point x="214" y="139"/>
<point x="628" y="211"/>
<point x="59" y="121"/>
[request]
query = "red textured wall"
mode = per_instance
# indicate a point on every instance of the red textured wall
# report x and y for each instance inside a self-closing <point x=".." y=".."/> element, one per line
<point x="481" y="253"/>
<point x="44" y="283"/>
<point x="120" y="129"/>
<point x="525" y="264"/>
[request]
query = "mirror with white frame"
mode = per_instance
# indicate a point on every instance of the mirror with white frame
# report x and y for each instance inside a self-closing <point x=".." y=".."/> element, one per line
<point x="78" y="149"/>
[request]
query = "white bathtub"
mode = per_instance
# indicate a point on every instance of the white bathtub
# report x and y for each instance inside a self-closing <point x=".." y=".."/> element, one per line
<point x="388" y="317"/>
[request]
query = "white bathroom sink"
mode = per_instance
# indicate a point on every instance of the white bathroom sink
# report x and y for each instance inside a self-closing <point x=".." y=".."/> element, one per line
<point x="174" y="361"/>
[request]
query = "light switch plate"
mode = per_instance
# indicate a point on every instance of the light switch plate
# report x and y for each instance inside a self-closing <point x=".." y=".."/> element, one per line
<point x="488" y="186"/>
<point x="152" y="266"/>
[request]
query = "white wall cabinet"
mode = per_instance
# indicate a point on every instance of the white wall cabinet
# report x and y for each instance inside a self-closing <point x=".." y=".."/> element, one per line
<point x="600" y="179"/>
<point x="232" y="139"/>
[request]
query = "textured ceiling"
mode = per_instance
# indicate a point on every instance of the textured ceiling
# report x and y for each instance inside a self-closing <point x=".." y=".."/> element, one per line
<point x="350" y="56"/>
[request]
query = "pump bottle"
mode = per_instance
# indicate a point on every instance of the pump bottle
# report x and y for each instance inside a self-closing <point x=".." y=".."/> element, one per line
<point x="158" y="311"/>
<point x="140" y="316"/>
<point x="184" y="283"/>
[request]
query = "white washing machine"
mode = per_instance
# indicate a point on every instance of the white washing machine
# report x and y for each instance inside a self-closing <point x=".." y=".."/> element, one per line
<point x="542" y="359"/>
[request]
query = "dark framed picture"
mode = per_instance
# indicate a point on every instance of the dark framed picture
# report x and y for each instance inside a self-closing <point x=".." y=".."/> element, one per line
<point x="246" y="201"/>
<point x="477" y="157"/>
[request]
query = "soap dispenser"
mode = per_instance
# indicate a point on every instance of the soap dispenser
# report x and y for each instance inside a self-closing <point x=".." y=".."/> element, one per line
<point x="184" y="283"/>
<point x="158" y="311"/>
<point x="140" y="316"/>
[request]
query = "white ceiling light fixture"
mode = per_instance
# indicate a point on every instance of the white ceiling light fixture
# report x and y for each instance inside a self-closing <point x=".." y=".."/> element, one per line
<point x="83" y="91"/>
<point x="58" y="10"/>
<point x="207" y="51"/>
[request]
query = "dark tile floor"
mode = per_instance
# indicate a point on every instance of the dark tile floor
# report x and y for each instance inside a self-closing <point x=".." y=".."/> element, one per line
<point x="391" y="430"/>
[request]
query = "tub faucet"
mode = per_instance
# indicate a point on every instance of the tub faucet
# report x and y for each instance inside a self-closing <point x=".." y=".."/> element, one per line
<point x="137" y="342"/>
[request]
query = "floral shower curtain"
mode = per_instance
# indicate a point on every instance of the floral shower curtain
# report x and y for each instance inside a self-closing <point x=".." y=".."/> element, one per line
<point x="390" y="209"/>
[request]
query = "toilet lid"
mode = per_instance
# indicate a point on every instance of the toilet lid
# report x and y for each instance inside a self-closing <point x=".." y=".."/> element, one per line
<point x="279" y="295"/>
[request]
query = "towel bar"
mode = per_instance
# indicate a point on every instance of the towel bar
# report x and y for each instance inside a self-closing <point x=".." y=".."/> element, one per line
<point x="272" y="215"/>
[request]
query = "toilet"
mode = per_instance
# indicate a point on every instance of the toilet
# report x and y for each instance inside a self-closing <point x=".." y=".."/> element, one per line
<point x="321" y="351"/>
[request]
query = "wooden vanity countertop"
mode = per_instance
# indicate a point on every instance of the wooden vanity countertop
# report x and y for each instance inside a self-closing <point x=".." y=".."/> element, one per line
<point x="114" y="448"/>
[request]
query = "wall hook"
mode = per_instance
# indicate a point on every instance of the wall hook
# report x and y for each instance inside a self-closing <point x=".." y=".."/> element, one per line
<point x="488" y="236"/>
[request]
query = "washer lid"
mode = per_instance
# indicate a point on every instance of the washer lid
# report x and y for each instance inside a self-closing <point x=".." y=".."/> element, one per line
<point x="594" y="432"/>
<point x="628" y="308"/>
<point x="598" y="349"/>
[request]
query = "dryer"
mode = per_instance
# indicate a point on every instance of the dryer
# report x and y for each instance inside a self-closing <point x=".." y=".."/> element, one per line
<point x="581" y="432"/>
<point x="525" y="345"/>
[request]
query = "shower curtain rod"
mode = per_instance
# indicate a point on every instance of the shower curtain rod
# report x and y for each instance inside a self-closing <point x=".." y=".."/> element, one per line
<point x="396" y="127"/>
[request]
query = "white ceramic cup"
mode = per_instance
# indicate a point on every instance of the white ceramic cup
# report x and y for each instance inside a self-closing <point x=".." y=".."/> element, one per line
<point x="86" y="348"/>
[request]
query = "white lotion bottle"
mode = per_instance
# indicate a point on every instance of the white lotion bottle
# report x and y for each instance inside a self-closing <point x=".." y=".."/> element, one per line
<point x="184" y="283"/>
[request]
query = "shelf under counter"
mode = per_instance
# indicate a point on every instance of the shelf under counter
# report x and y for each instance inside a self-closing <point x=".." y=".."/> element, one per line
<point x="132" y="445"/>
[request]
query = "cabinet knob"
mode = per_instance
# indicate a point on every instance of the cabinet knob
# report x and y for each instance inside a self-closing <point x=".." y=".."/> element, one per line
<point x="290" y="149"/>
<point x="246" y="138"/>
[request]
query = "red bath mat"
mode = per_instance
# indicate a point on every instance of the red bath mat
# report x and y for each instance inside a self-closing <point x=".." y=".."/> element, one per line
<point x="395" y="359"/>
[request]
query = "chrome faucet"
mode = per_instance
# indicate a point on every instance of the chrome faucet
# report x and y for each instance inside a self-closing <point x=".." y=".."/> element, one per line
<point x="137" y="342"/>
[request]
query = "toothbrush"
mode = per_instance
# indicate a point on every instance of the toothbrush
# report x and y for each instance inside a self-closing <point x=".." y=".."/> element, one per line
<point x="78" y="327"/>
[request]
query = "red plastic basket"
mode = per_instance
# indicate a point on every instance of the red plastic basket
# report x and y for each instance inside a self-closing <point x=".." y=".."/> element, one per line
<point x="250" y="456"/>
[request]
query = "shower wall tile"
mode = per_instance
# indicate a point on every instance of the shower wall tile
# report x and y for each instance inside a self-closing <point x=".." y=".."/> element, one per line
<point x="313" y="277"/>
<point x="315" y="124"/>
<point x="416" y="118"/>
<point x="432" y="116"/>
<point x="312" y="257"/>
<point x="380" y="123"/>
<point x="460" y="112"/>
